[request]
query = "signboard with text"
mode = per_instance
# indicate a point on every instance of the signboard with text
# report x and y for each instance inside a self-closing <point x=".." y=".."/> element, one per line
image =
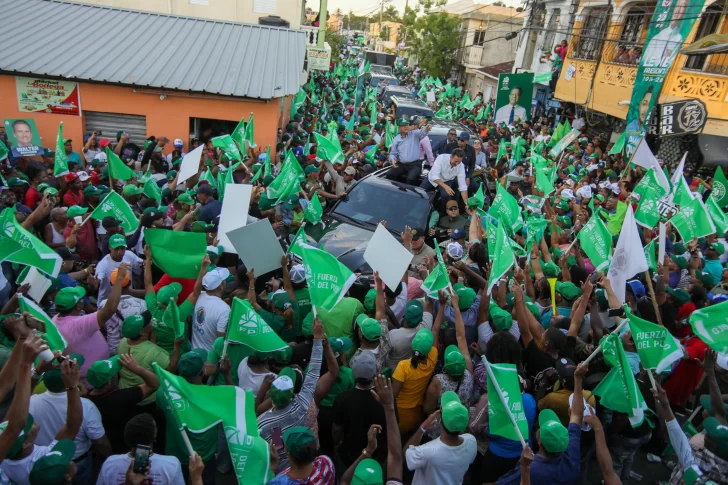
<point x="319" y="58"/>
<point x="47" y="96"/>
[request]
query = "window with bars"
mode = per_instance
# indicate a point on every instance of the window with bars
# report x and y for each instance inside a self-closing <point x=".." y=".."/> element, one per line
<point x="590" y="30"/>
<point x="625" y="45"/>
<point x="710" y="23"/>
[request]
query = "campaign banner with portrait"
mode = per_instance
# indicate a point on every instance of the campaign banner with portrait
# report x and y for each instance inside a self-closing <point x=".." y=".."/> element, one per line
<point x="23" y="137"/>
<point x="47" y="96"/>
<point x="670" y="25"/>
<point x="513" y="99"/>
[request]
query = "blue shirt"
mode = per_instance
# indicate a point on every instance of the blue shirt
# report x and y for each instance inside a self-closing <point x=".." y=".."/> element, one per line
<point x="470" y="319"/>
<point x="75" y="157"/>
<point x="564" y="311"/>
<point x="565" y="469"/>
<point x="407" y="149"/>
<point x="505" y="448"/>
<point x="210" y="211"/>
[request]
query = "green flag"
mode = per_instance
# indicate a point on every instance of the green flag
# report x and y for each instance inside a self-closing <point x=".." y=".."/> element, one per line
<point x="614" y="221"/>
<point x="171" y="319"/>
<point x="228" y="147"/>
<point x="657" y="348"/>
<point x="477" y="200"/>
<point x="208" y="177"/>
<point x="505" y="378"/>
<point x="618" y="390"/>
<point x="371" y="155"/>
<point x="506" y="207"/>
<point x="502" y="150"/>
<point x="60" y="164"/>
<point x="152" y="190"/>
<point x="719" y="218"/>
<point x="647" y="214"/>
<point x="388" y="136"/>
<point x="535" y="227"/>
<point x="247" y="328"/>
<point x="238" y="133"/>
<point x="52" y="335"/>
<point x="543" y="183"/>
<point x="619" y="144"/>
<point x="491" y="232"/>
<point x="298" y="241"/>
<point x="720" y="188"/>
<point x="596" y="241"/>
<point x="709" y="324"/>
<point x="177" y="253"/>
<point x="692" y="221"/>
<point x="115" y="206"/>
<point x="438" y="279"/>
<point x="250" y="131"/>
<point x="650" y="255"/>
<point x="118" y="170"/>
<point x="4" y="152"/>
<point x="287" y="183"/>
<point x="34" y="252"/>
<point x="196" y="408"/>
<point x="681" y="192"/>
<point x="503" y="260"/>
<point x="267" y="163"/>
<point x="328" y="150"/>
<point x="314" y="210"/>
<point x="328" y="279"/>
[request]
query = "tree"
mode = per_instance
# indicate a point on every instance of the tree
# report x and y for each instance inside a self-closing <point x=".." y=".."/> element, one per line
<point x="335" y="40"/>
<point x="434" y="38"/>
<point x="390" y="14"/>
<point x="355" y="22"/>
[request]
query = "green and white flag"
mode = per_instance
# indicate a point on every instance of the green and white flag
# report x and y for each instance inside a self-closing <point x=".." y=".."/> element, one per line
<point x="33" y="252"/>
<point x="115" y="206"/>
<point x="298" y="241"/>
<point x="152" y="190"/>
<point x="618" y="390"/>
<point x="478" y="199"/>
<point x="647" y="214"/>
<point x="719" y="218"/>
<point x="238" y="133"/>
<point x="503" y="260"/>
<point x="505" y="207"/>
<point x="535" y="227"/>
<point x="328" y="279"/>
<point x="720" y="188"/>
<point x="564" y="142"/>
<point x="438" y="279"/>
<point x="287" y="183"/>
<point x="118" y="170"/>
<point x="328" y="150"/>
<point x="207" y="177"/>
<point x="246" y="327"/>
<point x="60" y="164"/>
<point x="692" y="221"/>
<point x="657" y="348"/>
<point x="502" y="150"/>
<point x="491" y="233"/>
<point x="228" y="147"/>
<point x="4" y="152"/>
<point x="710" y="324"/>
<point x="314" y="211"/>
<point x="596" y="242"/>
<point x="650" y="255"/>
<point x="544" y="184"/>
<point x="506" y="379"/>
<point x="250" y="132"/>
<point x="197" y="408"/>
<point x="52" y="335"/>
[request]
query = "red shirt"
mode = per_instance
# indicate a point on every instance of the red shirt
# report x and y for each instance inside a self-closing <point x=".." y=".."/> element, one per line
<point x="32" y="197"/>
<point x="95" y="178"/>
<point x="188" y="285"/>
<point x="85" y="240"/>
<point x="72" y="198"/>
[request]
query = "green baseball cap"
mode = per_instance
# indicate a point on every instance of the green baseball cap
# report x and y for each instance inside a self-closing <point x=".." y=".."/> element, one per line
<point x="454" y="361"/>
<point x="132" y="326"/>
<point x="680" y="295"/>
<point x="718" y="247"/>
<point x="467" y="296"/>
<point x="454" y="414"/>
<point x="403" y="122"/>
<point x="91" y="191"/>
<point x="311" y="169"/>
<point x="171" y="175"/>
<point x="370" y="300"/>
<point x="413" y="313"/>
<point x="502" y="319"/>
<point x="568" y="290"/>
<point x="680" y="261"/>
<point x="339" y="345"/>
<point x="283" y="356"/>
<point x="68" y="297"/>
<point x="131" y="190"/>
<point x="678" y="248"/>
<point x="75" y="210"/>
<point x="554" y="436"/>
<point x="717" y="433"/>
<point x="282" y="389"/>
<point x="102" y="371"/>
<point x="185" y="199"/>
<point x="563" y="205"/>
<point x="370" y="329"/>
<point x="550" y="269"/>
<point x="422" y="343"/>
<point x="191" y="363"/>
<point x="117" y="241"/>
<point x="168" y="292"/>
<point x="18" y="443"/>
<point x="16" y="182"/>
<point x="368" y="472"/>
<point x="705" y="402"/>
<point x="297" y="439"/>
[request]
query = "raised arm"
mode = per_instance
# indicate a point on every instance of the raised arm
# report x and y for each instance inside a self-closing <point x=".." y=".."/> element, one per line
<point x="523" y="323"/>
<point x="151" y="381"/>
<point x="380" y="304"/>
<point x="108" y="310"/>
<point x="323" y="386"/>
<point x="604" y="458"/>
<point x="148" y="283"/>
<point x="192" y="298"/>
<point x="287" y="284"/>
<point x="460" y="333"/>
<point x="252" y="297"/>
<point x="579" y="311"/>
<point x="577" y="405"/>
<point x="74" y="412"/>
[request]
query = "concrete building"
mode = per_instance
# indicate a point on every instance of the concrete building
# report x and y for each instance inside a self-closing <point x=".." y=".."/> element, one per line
<point x="485" y="80"/>
<point x="385" y="36"/>
<point x="175" y="76"/>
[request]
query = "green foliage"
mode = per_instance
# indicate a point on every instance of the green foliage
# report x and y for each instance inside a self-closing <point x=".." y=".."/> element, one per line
<point x="434" y="38"/>
<point x="390" y="14"/>
<point x="335" y="40"/>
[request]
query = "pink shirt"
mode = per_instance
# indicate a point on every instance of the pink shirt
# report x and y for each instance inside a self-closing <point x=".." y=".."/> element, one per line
<point x="84" y="337"/>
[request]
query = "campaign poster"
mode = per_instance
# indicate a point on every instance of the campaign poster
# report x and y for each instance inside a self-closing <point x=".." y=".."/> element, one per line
<point x="513" y="99"/>
<point x="47" y="96"/>
<point x="670" y="25"/>
<point x="23" y="137"/>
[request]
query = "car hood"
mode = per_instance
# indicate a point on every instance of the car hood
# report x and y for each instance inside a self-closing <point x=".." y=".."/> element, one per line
<point x="347" y="243"/>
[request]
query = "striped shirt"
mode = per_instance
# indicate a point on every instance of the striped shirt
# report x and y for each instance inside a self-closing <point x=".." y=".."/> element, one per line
<point x="407" y="149"/>
<point x="322" y="474"/>
<point x="295" y="413"/>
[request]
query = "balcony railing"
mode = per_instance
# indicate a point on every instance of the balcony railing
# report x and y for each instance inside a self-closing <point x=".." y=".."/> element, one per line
<point x="472" y="55"/>
<point x="311" y="34"/>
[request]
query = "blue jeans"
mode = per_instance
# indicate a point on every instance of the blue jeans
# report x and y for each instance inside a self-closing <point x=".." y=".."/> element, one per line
<point x="84" y="471"/>
<point x="623" y="451"/>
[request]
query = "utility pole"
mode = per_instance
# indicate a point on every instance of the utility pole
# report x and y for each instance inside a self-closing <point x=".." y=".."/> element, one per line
<point x="323" y="14"/>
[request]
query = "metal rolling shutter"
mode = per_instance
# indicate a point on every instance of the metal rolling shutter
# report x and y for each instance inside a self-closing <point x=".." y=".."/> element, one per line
<point x="110" y="123"/>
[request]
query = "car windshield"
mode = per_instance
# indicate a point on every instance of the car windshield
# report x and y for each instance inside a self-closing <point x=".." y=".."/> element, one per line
<point x="411" y="111"/>
<point x="386" y="81"/>
<point x="403" y="206"/>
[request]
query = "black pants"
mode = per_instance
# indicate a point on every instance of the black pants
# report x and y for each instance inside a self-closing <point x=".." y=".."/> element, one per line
<point x="411" y="171"/>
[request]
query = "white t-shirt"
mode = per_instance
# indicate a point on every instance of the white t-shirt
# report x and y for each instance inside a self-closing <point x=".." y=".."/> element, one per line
<point x="107" y="265"/>
<point x="211" y="316"/>
<point x="249" y="380"/>
<point x="435" y="462"/>
<point x="400" y="303"/>
<point x="164" y="470"/>
<point x="128" y="306"/>
<point x="49" y="411"/>
<point x="18" y="471"/>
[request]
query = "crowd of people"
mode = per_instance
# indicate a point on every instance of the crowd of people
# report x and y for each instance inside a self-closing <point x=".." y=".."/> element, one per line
<point x="394" y="387"/>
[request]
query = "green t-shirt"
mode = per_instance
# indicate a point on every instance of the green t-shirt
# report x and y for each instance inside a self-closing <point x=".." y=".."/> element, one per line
<point x="339" y="321"/>
<point x="165" y="336"/>
<point x="235" y="352"/>
<point x="205" y="443"/>
<point x="304" y="301"/>
<point x="278" y="323"/>
<point x="344" y="382"/>
<point x="146" y="353"/>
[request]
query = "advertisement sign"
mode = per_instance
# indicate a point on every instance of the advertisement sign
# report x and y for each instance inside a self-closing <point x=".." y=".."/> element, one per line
<point x="682" y="117"/>
<point x="47" y="96"/>
<point x="670" y="25"/>
<point x="513" y="99"/>
<point x="318" y="58"/>
<point x="23" y="137"/>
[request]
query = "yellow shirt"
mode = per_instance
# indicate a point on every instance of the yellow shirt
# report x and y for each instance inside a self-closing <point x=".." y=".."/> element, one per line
<point x="414" y="380"/>
<point x="558" y="401"/>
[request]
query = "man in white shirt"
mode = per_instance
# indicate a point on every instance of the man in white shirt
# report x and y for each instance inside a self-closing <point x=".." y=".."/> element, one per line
<point x="128" y="306"/>
<point x="117" y="255"/>
<point x="210" y="318"/>
<point x="50" y="409"/>
<point x="512" y="112"/>
<point x="445" y="460"/>
<point x="164" y="470"/>
<point x="447" y="171"/>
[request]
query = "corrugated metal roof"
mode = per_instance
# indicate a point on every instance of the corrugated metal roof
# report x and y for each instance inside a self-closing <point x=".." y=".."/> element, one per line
<point x="94" y="43"/>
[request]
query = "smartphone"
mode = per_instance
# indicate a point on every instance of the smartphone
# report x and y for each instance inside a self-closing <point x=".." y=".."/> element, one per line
<point x="594" y="278"/>
<point x="141" y="458"/>
<point x="277" y="438"/>
<point x="615" y="312"/>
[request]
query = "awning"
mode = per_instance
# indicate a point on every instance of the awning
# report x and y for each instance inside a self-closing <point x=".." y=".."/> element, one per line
<point x="711" y="44"/>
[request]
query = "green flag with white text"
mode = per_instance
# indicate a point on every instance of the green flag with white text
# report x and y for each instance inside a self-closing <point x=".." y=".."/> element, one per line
<point x="650" y="255"/>
<point x="228" y="147"/>
<point x="152" y="190"/>
<point x="328" y="279"/>
<point x="692" y="220"/>
<point x="719" y="218"/>
<point x="60" y="164"/>
<point x="34" y="252"/>
<point x="115" y="206"/>
<point x="328" y="150"/>
<point x="657" y="348"/>
<point x="52" y="335"/>
<point x="720" y="188"/>
<point x="710" y="324"/>
<point x="506" y="379"/>
<point x="287" y="183"/>
<point x="438" y="279"/>
<point x="503" y="259"/>
<point x="246" y="327"/>
<point x="647" y="214"/>
<point x="506" y="207"/>
<point x="596" y="241"/>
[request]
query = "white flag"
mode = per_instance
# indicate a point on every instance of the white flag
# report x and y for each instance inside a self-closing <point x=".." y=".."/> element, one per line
<point x="627" y="260"/>
<point x="644" y="158"/>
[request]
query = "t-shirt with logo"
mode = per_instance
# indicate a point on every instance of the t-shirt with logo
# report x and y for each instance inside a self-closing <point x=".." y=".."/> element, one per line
<point x="210" y="317"/>
<point x="304" y="301"/>
<point x="163" y="470"/>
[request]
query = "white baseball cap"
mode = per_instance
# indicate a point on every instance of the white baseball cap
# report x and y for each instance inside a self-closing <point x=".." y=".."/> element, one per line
<point x="214" y="278"/>
<point x="297" y="274"/>
<point x="455" y="250"/>
<point x="584" y="192"/>
<point x="100" y="156"/>
<point x="83" y="176"/>
<point x="178" y="143"/>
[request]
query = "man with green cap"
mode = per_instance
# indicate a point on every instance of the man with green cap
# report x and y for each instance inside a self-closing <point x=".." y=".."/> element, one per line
<point x="57" y="467"/>
<point x="299" y="443"/>
<point x="416" y="316"/>
<point x="566" y="294"/>
<point x="117" y="255"/>
<point x="443" y="461"/>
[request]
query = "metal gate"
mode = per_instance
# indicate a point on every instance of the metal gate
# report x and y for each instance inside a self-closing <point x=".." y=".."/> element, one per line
<point x="110" y="123"/>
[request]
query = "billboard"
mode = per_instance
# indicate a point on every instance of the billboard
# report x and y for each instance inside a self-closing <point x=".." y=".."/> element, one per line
<point x="513" y="99"/>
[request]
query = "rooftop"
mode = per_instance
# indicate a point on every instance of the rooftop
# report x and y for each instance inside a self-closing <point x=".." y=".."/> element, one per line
<point x="496" y="69"/>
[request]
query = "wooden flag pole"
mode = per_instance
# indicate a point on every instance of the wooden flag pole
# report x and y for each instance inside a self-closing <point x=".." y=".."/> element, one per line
<point x="654" y="300"/>
<point x="599" y="348"/>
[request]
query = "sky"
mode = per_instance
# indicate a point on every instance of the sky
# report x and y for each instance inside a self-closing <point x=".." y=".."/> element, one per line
<point x="368" y="7"/>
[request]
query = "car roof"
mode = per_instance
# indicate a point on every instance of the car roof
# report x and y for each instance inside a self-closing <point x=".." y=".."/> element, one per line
<point x="410" y="102"/>
<point x="440" y="125"/>
<point x="377" y="70"/>
<point x="397" y="89"/>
